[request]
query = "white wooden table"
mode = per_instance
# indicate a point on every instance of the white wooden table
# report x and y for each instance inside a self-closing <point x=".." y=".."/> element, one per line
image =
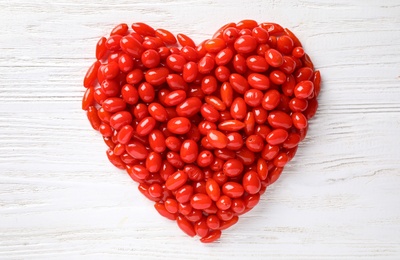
<point x="60" y="198"/>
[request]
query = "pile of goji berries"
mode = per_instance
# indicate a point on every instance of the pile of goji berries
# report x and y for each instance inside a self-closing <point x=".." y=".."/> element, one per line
<point x="203" y="129"/>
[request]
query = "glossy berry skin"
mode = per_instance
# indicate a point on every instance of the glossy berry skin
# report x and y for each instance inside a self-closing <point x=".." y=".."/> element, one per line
<point x="224" y="56"/>
<point x="274" y="58"/>
<point x="213" y="236"/>
<point x="185" y="40"/>
<point x="137" y="150"/>
<point x="279" y="119"/>
<point x="120" y="119"/>
<point x="173" y="143"/>
<point x="176" y="180"/>
<point x="304" y="89"/>
<point x="175" y="62"/>
<point x="184" y="193"/>
<point x="93" y="117"/>
<point x="154" y="162"/>
<point x="238" y="206"/>
<point x="88" y="98"/>
<point x="258" y="81"/>
<point x="113" y="43"/>
<point x="140" y="111"/>
<point x="251" y="182"/>
<point x="277" y="136"/>
<point x="285" y="44"/>
<point x="217" y="139"/>
<point x="179" y="125"/>
<point x="166" y="36"/>
<point x="277" y="77"/>
<point x="205" y="158"/>
<point x="143" y="29"/>
<point x="101" y="48"/>
<point x="125" y="134"/>
<point x="245" y="44"/>
<point x="302" y="74"/>
<point x="91" y="74"/>
<point x="200" y="201"/>
<point x="131" y="46"/>
<point x="233" y="167"/>
<point x="257" y="63"/>
<point x="299" y="120"/>
<point x="156" y="76"/>
<point x="189" y="107"/>
<point x="157" y="141"/>
<point x="155" y="190"/>
<point x="134" y="76"/>
<point x="150" y="58"/>
<point x="202" y="128"/>
<point x="185" y="226"/>
<point x="209" y="113"/>
<point x="174" y="98"/>
<point x="190" y="71"/>
<point x="253" y="97"/>
<point x="111" y="70"/>
<point x="224" y="202"/>
<point x="255" y="143"/>
<point x="271" y="99"/>
<point x="298" y="105"/>
<point x="238" y="109"/>
<point x="214" y="45"/>
<point x="213" y="189"/>
<point x="145" y="126"/>
<point x="238" y="83"/>
<point x="232" y="189"/>
<point x="171" y="205"/>
<point x="205" y="65"/>
<point x="260" y="34"/>
<point x="129" y="94"/>
<point x="235" y="141"/>
<point x="213" y="222"/>
<point x="158" y="112"/>
<point x="281" y="159"/>
<point x="231" y="125"/>
<point x="161" y="209"/>
<point x="189" y="151"/>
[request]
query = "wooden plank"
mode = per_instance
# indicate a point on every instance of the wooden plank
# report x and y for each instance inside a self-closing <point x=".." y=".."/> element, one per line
<point x="61" y="198"/>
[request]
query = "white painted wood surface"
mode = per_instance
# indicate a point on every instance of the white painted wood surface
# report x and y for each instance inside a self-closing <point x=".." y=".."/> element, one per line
<point x="61" y="199"/>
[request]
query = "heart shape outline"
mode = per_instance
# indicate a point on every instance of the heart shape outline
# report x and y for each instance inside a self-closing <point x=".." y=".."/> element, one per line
<point x="241" y="60"/>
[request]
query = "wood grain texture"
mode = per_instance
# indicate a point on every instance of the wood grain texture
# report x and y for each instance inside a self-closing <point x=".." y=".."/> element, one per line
<point x="61" y="199"/>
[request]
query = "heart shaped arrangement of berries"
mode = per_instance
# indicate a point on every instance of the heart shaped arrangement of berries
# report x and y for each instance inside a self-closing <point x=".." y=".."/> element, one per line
<point x="204" y="129"/>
